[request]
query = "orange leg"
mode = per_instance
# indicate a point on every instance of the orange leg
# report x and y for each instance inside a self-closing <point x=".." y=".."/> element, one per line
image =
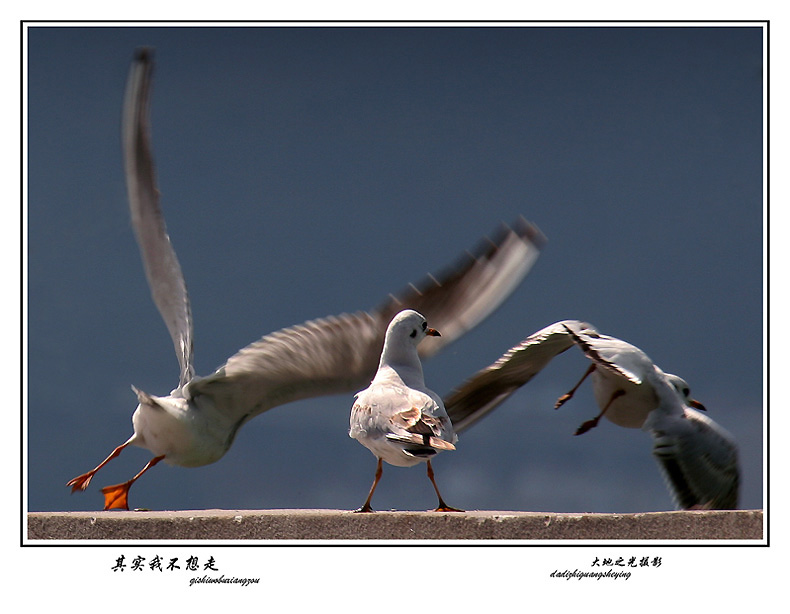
<point x="589" y="424"/>
<point x="443" y="507"/>
<point x="366" y="507"/>
<point x="81" y="481"/>
<point x="567" y="396"/>
<point x="116" y="497"/>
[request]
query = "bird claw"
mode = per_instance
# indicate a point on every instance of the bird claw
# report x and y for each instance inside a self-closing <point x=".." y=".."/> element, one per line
<point x="365" y="509"/>
<point x="80" y="482"/>
<point x="562" y="400"/>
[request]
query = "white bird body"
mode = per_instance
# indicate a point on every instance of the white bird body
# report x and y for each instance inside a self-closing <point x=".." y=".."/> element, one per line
<point x="382" y="427"/>
<point x="397" y="417"/>
<point x="625" y="370"/>
<point x="630" y="410"/>
<point x="196" y="423"/>
<point x="184" y="433"/>
<point x="397" y="400"/>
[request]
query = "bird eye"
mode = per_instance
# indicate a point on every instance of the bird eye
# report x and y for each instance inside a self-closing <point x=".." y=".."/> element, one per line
<point x="424" y="325"/>
<point x="413" y="334"/>
<point x="686" y="392"/>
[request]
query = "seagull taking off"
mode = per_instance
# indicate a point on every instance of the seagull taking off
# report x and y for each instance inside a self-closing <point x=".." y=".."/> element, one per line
<point x="620" y="372"/>
<point x="196" y="423"/>
<point x="699" y="459"/>
<point x="397" y="417"/>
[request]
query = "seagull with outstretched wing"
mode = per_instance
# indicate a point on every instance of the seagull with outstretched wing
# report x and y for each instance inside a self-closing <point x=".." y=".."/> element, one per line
<point x="698" y="458"/>
<point x="196" y="423"/>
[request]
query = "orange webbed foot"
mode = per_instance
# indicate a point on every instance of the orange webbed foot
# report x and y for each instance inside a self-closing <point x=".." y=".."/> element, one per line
<point x="116" y="497"/>
<point x="447" y="508"/>
<point x="80" y="482"/>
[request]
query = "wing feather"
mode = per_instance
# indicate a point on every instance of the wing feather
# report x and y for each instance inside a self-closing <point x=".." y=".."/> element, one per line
<point x="468" y="291"/>
<point x="699" y="461"/>
<point x="162" y="269"/>
<point x="326" y="356"/>
<point x="614" y="355"/>
<point x="491" y="386"/>
<point x="340" y="354"/>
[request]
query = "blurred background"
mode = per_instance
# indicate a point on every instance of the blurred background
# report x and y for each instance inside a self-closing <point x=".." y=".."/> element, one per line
<point x="309" y="171"/>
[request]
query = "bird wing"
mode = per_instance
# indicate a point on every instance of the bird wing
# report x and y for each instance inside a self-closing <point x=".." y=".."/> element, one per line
<point x="340" y="354"/>
<point x="469" y="290"/>
<point x="162" y="269"/>
<point x="331" y="355"/>
<point x="423" y="424"/>
<point x="699" y="461"/>
<point x="320" y="357"/>
<point x="489" y="387"/>
<point x="614" y="355"/>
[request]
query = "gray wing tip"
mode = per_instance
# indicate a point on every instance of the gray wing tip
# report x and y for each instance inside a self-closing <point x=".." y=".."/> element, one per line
<point x="521" y="228"/>
<point x="144" y="55"/>
<point x="487" y="250"/>
<point x="526" y="229"/>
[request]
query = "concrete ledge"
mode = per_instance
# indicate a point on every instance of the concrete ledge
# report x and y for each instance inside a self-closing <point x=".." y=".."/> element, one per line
<point x="345" y="525"/>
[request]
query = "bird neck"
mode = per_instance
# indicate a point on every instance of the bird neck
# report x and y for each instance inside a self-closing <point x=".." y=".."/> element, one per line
<point x="405" y="363"/>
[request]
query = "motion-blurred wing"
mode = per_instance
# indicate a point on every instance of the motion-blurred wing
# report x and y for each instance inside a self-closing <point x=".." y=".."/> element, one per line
<point x="341" y="354"/>
<point x="159" y="259"/>
<point x="467" y="292"/>
<point x="699" y="461"/>
<point x="488" y="388"/>
<point x="320" y="357"/>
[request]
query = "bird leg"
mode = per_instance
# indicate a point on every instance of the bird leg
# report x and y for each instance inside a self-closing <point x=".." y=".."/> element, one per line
<point x="567" y="396"/>
<point x="81" y="481"/>
<point x="443" y="507"/>
<point x="366" y="506"/>
<point x="589" y="424"/>
<point x="116" y="496"/>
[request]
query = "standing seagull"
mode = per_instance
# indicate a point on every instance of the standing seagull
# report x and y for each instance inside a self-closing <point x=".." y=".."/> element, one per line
<point x="397" y="417"/>
<point x="196" y="423"/>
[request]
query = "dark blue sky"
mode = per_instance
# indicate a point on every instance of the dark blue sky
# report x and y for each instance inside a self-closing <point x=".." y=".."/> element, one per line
<point x="310" y="171"/>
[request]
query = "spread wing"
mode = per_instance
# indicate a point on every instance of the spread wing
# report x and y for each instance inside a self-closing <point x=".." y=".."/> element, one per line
<point x="340" y="354"/>
<point x="159" y="259"/>
<point x="489" y="387"/>
<point x="331" y="355"/>
<point x="469" y="290"/>
<point x="320" y="357"/>
<point x="699" y="461"/>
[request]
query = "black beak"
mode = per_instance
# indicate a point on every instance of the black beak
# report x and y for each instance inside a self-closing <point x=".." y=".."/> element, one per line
<point x="432" y="332"/>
